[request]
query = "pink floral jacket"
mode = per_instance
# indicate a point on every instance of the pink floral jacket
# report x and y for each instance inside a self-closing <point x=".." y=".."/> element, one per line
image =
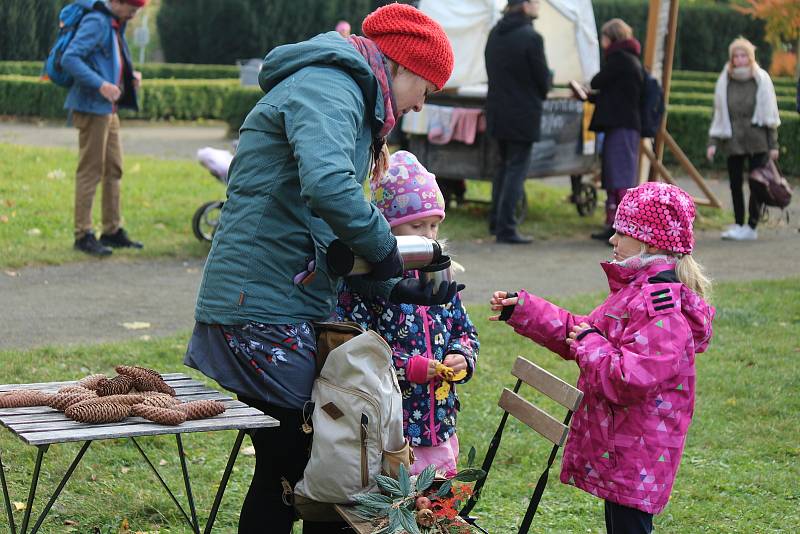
<point x="638" y="377"/>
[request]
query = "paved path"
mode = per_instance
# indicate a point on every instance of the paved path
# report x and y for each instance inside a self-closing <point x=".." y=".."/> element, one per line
<point x="91" y="301"/>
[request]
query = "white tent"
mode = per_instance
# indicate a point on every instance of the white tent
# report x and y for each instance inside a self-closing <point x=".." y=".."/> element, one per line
<point x="567" y="26"/>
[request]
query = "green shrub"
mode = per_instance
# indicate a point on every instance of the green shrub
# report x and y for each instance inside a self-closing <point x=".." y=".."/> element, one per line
<point x="211" y="31"/>
<point x="238" y="103"/>
<point x="159" y="99"/>
<point x="225" y="100"/>
<point x="697" y="86"/>
<point x="689" y="126"/>
<point x="704" y="31"/>
<point x="185" y="71"/>
<point x="702" y="76"/>
<point x="785" y="103"/>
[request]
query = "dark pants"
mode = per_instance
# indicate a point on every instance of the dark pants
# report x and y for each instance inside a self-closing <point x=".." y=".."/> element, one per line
<point x="281" y="452"/>
<point x="736" y="175"/>
<point x="508" y="185"/>
<point x="623" y="520"/>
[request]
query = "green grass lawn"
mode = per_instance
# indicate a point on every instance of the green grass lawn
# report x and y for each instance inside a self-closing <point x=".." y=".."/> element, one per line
<point x="739" y="472"/>
<point x="160" y="196"/>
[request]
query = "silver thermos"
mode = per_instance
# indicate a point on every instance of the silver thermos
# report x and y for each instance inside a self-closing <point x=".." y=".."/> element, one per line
<point x="417" y="252"/>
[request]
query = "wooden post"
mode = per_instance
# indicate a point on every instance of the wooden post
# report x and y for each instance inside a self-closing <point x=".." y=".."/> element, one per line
<point x="651" y="157"/>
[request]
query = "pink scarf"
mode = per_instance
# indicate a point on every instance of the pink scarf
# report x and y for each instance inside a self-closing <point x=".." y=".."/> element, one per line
<point x="374" y="58"/>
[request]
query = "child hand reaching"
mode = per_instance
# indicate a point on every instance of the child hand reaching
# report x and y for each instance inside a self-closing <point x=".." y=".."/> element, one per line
<point x="500" y="300"/>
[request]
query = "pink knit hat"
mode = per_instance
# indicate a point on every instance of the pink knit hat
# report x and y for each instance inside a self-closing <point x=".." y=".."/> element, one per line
<point x="407" y="191"/>
<point x="658" y="214"/>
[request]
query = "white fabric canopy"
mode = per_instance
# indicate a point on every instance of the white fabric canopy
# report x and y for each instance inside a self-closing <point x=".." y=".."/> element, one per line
<point x="567" y="26"/>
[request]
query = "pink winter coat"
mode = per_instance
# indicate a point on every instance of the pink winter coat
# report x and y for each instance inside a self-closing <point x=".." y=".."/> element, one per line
<point x="638" y="378"/>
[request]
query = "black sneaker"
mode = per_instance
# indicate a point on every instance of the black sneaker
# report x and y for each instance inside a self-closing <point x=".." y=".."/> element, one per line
<point x="88" y="244"/>
<point x="119" y="239"/>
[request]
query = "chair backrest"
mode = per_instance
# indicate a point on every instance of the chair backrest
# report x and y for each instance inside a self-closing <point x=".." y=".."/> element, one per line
<point x="550" y="385"/>
<point x="545" y="424"/>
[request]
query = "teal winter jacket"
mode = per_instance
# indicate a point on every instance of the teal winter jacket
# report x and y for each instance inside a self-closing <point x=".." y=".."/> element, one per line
<point x="296" y="184"/>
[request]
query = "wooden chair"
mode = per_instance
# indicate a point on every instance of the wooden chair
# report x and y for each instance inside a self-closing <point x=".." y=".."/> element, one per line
<point x="546" y="425"/>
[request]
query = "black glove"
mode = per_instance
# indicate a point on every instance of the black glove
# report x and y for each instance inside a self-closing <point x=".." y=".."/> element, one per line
<point x="508" y="311"/>
<point x="389" y="267"/>
<point x="413" y="291"/>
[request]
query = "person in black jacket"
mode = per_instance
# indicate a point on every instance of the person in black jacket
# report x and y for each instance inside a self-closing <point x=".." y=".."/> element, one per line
<point x="617" y="92"/>
<point x="518" y="83"/>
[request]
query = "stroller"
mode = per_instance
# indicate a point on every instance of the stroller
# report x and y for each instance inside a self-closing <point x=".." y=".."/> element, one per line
<point x="206" y="219"/>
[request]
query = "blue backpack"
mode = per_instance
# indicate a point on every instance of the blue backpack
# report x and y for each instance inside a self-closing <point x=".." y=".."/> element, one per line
<point x="68" y="20"/>
<point x="652" y="106"/>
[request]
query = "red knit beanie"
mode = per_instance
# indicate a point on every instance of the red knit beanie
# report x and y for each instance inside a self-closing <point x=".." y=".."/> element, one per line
<point x="412" y="39"/>
<point x="137" y="3"/>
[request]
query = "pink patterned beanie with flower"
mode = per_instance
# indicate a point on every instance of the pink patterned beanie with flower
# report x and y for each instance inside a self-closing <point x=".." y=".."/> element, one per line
<point x="407" y="191"/>
<point x="658" y="214"/>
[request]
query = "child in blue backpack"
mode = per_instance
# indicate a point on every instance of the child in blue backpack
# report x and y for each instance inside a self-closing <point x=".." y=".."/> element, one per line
<point x="423" y="338"/>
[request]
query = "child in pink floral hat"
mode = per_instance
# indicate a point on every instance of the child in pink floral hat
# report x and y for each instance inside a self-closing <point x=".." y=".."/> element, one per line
<point x="423" y="338"/>
<point x="636" y="354"/>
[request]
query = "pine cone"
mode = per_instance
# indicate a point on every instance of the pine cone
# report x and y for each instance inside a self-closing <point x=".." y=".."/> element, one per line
<point x="201" y="409"/>
<point x="134" y="371"/>
<point x="163" y="416"/>
<point x="23" y="398"/>
<point x="62" y="401"/>
<point x="125" y="400"/>
<point x="160" y="400"/>
<point x="102" y="412"/>
<point x="77" y="389"/>
<point x="119" y="385"/>
<point x="153" y="383"/>
<point x="92" y="381"/>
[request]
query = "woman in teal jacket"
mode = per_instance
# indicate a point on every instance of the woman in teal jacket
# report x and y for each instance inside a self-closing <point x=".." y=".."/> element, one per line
<point x="296" y="184"/>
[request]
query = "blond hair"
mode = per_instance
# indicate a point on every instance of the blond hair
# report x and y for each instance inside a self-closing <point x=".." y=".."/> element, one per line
<point x="692" y="275"/>
<point x="689" y="272"/>
<point x="740" y="43"/>
<point x="617" y="30"/>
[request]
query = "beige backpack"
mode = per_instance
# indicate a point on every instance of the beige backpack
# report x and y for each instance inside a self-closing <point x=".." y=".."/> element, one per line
<point x="358" y="427"/>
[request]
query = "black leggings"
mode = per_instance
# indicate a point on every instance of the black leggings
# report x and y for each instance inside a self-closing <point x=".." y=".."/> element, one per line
<point x="281" y="452"/>
<point x="736" y="174"/>
<point x="623" y="520"/>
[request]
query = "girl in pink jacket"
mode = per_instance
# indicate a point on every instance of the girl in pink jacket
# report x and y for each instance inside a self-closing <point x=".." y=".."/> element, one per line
<point x="636" y="355"/>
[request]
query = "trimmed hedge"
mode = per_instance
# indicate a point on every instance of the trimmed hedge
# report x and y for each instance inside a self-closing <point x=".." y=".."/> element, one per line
<point x="224" y="99"/>
<point x="689" y="126"/>
<point x="159" y="99"/>
<point x="785" y="103"/>
<point x="703" y="76"/>
<point x="184" y="71"/>
<point x="693" y="86"/>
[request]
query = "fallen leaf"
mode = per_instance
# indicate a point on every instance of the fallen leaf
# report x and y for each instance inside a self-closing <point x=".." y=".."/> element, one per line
<point x="3" y="218"/>
<point x="9" y="203"/>
<point x="12" y="274"/>
<point x="162" y="462"/>
<point x="124" y="470"/>
<point x="249" y="451"/>
<point x="19" y="506"/>
<point x="136" y="168"/>
<point x="71" y="523"/>
<point x="34" y="232"/>
<point x="192" y="270"/>
<point x="160" y="226"/>
<point x="731" y="401"/>
<point x="136" y="325"/>
<point x="145" y="337"/>
<point x="124" y="528"/>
